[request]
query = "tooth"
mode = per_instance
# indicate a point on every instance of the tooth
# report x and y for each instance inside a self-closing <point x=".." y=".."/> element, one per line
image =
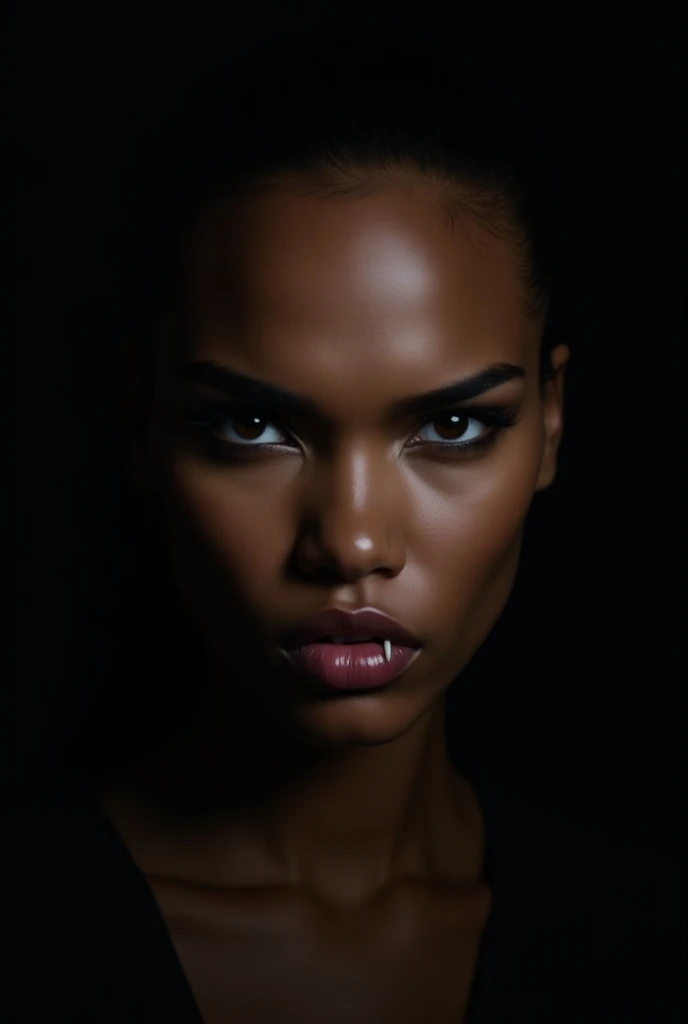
<point x="388" y="649"/>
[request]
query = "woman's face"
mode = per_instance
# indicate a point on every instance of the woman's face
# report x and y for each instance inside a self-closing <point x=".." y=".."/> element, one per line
<point x="347" y="498"/>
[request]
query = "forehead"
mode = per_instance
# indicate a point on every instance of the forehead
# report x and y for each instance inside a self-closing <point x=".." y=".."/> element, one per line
<point x="288" y="284"/>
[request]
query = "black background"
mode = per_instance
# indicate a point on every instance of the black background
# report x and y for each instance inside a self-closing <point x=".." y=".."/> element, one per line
<point x="576" y="703"/>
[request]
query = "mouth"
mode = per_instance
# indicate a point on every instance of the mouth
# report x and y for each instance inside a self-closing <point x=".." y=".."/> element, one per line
<point x="354" y="651"/>
<point x="355" y="638"/>
<point x="340" y="626"/>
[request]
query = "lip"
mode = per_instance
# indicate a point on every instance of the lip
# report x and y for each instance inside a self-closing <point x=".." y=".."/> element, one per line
<point x="340" y="622"/>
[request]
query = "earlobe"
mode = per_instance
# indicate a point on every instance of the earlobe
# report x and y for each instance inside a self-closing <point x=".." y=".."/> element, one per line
<point x="553" y="416"/>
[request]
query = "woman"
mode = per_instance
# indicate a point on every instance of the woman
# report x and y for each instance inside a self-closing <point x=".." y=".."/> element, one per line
<point x="340" y="398"/>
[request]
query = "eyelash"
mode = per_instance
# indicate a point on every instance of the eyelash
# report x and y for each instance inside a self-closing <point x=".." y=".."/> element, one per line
<point x="207" y="419"/>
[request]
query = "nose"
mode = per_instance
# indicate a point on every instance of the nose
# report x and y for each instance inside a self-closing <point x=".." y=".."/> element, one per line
<point x="351" y="523"/>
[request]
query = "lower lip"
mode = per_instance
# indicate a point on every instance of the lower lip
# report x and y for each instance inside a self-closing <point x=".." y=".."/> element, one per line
<point x="360" y="666"/>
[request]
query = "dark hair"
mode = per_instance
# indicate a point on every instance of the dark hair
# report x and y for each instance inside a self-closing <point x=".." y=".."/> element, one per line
<point x="339" y="112"/>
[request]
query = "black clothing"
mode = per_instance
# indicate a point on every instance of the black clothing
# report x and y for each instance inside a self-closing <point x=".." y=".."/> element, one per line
<point x="592" y="933"/>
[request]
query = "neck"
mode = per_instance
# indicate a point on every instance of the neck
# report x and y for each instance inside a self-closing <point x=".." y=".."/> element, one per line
<point x="253" y="804"/>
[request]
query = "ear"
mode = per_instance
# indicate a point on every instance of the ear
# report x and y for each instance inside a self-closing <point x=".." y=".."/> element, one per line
<point x="553" y="413"/>
<point x="133" y="412"/>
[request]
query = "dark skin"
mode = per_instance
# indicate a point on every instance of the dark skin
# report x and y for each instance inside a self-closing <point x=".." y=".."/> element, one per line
<point x="317" y="857"/>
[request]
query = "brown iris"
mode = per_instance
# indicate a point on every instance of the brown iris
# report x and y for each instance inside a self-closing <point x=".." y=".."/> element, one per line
<point x="450" y="423"/>
<point x="255" y="426"/>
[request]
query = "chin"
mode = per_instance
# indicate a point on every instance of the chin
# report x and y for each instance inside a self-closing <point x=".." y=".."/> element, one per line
<point x="360" y="720"/>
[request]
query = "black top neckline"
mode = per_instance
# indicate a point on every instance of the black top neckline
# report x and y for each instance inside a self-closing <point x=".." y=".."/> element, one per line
<point x="184" y="998"/>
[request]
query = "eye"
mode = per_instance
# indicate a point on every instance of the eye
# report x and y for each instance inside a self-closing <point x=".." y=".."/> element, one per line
<point x="246" y="428"/>
<point x="452" y="428"/>
<point x="455" y="431"/>
<point x="234" y="427"/>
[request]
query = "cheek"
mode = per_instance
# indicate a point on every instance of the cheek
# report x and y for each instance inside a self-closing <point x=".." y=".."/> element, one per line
<point x="470" y="529"/>
<point x="225" y="528"/>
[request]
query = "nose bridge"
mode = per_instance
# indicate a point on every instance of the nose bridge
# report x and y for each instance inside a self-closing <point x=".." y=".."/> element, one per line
<point x="354" y="475"/>
<point x="354" y="514"/>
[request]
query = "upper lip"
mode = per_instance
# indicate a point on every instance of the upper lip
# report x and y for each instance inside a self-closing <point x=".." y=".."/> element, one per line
<point x="339" y="622"/>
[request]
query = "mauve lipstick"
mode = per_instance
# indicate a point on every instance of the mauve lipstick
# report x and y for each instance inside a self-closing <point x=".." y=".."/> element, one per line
<point x="355" y="665"/>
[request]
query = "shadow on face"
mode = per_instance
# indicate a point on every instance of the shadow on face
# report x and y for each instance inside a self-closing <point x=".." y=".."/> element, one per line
<point x="299" y="465"/>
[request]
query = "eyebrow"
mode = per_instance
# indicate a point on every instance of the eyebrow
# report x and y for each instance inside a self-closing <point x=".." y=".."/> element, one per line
<point x="251" y="391"/>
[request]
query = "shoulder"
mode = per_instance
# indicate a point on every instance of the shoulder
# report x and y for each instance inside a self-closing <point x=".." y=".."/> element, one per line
<point x="54" y="845"/>
<point x="79" y="921"/>
<point x="603" y="917"/>
<point x="55" y="880"/>
<point x="51" y="832"/>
